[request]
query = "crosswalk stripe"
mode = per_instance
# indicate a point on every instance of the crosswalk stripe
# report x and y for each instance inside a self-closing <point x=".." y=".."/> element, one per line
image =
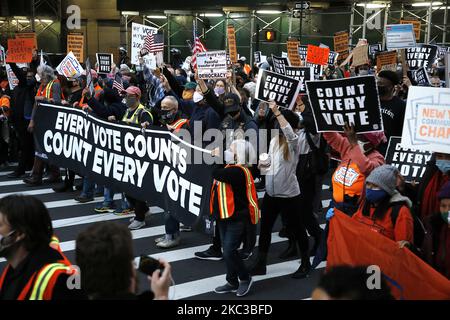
<point x="37" y="192"/>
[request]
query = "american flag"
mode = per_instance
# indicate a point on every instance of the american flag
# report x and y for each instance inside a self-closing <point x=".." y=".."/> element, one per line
<point x="198" y="47"/>
<point x="118" y="84"/>
<point x="154" y="42"/>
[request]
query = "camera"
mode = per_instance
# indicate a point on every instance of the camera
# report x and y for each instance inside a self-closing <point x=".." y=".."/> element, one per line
<point x="148" y="265"/>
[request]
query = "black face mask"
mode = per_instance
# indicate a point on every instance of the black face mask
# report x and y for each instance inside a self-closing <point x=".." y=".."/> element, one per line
<point x="7" y="245"/>
<point x="167" y="117"/>
<point x="384" y="90"/>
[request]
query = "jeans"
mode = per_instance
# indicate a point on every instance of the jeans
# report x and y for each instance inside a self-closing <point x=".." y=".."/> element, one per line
<point x="248" y="238"/>
<point x="171" y="225"/>
<point x="88" y="188"/>
<point x="231" y="233"/>
<point x="109" y="197"/>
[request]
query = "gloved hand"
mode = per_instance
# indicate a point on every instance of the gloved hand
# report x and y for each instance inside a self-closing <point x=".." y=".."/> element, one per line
<point x="330" y="214"/>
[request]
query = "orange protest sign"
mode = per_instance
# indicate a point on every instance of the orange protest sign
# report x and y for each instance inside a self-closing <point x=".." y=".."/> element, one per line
<point x="28" y="35"/>
<point x="317" y="55"/>
<point x="75" y="43"/>
<point x="20" y="50"/>
<point x="353" y="243"/>
<point x="292" y="50"/>
<point x="387" y="61"/>
<point x="341" y="44"/>
<point x="232" y="48"/>
<point x="416" y="25"/>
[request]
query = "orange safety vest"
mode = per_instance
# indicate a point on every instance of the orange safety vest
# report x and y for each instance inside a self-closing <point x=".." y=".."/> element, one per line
<point x="47" y="91"/>
<point x="177" y="125"/>
<point x="225" y="197"/>
<point x="42" y="282"/>
<point x="97" y="91"/>
<point x="347" y="180"/>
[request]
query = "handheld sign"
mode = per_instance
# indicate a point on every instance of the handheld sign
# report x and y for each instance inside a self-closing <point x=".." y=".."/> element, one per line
<point x="257" y="57"/>
<point x="12" y="79"/>
<point x="75" y="43"/>
<point x="427" y="120"/>
<point x="89" y="81"/>
<point x="416" y="26"/>
<point x="105" y="61"/>
<point x="340" y="40"/>
<point x="20" y="50"/>
<point x="411" y="163"/>
<point x="277" y="87"/>
<point x="317" y="55"/>
<point x="317" y="68"/>
<point x="294" y="57"/>
<point x="212" y="64"/>
<point x="387" y="60"/>
<point x="69" y="66"/>
<point x="332" y="58"/>
<point x="2" y="56"/>
<point x="302" y="52"/>
<point x="424" y="55"/>
<point x="280" y="63"/>
<point x="421" y="77"/>
<point x="302" y="74"/>
<point x="232" y="47"/>
<point x="352" y="100"/>
<point x="400" y="36"/>
<point x="138" y="34"/>
<point x="28" y="35"/>
<point x="374" y="49"/>
<point x="360" y="56"/>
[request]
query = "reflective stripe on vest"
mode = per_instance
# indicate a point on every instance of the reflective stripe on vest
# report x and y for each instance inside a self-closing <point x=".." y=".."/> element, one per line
<point x="179" y="123"/>
<point x="44" y="277"/>
<point x="46" y="91"/>
<point x="135" y="117"/>
<point x="225" y="197"/>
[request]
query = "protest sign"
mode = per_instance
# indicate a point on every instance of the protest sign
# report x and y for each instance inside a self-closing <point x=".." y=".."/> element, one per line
<point x="302" y="52"/>
<point x="294" y="57"/>
<point x="279" y="64"/>
<point x="427" y="120"/>
<point x="447" y="70"/>
<point x="28" y="35"/>
<point x="423" y="55"/>
<point x="400" y="36"/>
<point x="89" y="81"/>
<point x="302" y="74"/>
<point x="256" y="57"/>
<point x="2" y="56"/>
<point x="332" y="58"/>
<point x="277" y="87"/>
<point x="386" y="59"/>
<point x="317" y="55"/>
<point x="421" y="77"/>
<point x="12" y="79"/>
<point x="318" y="69"/>
<point x="212" y="64"/>
<point x="411" y="163"/>
<point x="360" y="56"/>
<point x="416" y="26"/>
<point x="374" y="49"/>
<point x="138" y="34"/>
<point x="105" y="61"/>
<point x="20" y="51"/>
<point x="75" y="43"/>
<point x="70" y="67"/>
<point x="340" y="40"/>
<point x="352" y="100"/>
<point x="232" y="46"/>
<point x="151" y="164"/>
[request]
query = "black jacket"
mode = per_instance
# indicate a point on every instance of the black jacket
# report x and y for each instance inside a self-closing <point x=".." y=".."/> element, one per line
<point x="22" y="96"/>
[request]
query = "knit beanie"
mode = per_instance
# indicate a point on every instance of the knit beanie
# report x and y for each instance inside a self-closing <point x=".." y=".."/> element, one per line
<point x="444" y="193"/>
<point x="384" y="177"/>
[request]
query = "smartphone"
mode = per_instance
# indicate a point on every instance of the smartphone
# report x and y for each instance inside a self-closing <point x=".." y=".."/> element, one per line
<point x="148" y="265"/>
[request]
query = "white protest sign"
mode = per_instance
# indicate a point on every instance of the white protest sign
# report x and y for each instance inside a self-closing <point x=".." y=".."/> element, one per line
<point x="427" y="120"/>
<point x="69" y="66"/>
<point x="400" y="36"/>
<point x="2" y="56"/>
<point x="12" y="79"/>
<point x="138" y="34"/>
<point x="212" y="64"/>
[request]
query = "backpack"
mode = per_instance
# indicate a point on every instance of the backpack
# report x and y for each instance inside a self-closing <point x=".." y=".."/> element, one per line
<point x="319" y="161"/>
<point x="419" y="229"/>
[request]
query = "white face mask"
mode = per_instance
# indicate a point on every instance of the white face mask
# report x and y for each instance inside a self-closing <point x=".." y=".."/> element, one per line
<point x="228" y="156"/>
<point x="197" y="97"/>
<point x="37" y="77"/>
<point x="363" y="72"/>
<point x="219" y="90"/>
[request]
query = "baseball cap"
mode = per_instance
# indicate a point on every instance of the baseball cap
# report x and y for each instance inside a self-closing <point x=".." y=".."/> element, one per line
<point x="231" y="103"/>
<point x="190" y="86"/>
<point x="133" y="90"/>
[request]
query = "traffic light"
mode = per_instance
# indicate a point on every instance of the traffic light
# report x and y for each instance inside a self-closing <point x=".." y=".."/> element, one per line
<point x="269" y="35"/>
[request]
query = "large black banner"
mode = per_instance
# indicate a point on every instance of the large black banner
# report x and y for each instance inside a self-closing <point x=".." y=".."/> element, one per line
<point x="424" y="55"/>
<point x="152" y="165"/>
<point x="352" y="100"/>
<point x="410" y="163"/>
<point x="302" y="74"/>
<point x="277" y="87"/>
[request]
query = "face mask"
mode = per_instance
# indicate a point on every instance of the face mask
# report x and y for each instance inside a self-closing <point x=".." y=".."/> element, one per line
<point x="363" y="72"/>
<point x="446" y="216"/>
<point x="6" y="243"/>
<point x="30" y="82"/>
<point x="167" y="117"/>
<point x="375" y="196"/>
<point x="443" y="165"/>
<point x="197" y="97"/>
<point x="228" y="156"/>
<point x="219" y="90"/>
<point x="131" y="102"/>
<point x="384" y="91"/>
<point x="37" y="77"/>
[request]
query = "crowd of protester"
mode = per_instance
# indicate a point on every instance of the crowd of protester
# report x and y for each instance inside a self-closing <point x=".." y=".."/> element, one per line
<point x="415" y="215"/>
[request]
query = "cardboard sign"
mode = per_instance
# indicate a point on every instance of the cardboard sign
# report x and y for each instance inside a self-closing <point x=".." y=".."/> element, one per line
<point x="360" y="56"/>
<point x="424" y="55"/>
<point x="232" y="47"/>
<point x="374" y="49"/>
<point x="302" y="52"/>
<point x="212" y="64"/>
<point x="279" y="64"/>
<point x="75" y="43"/>
<point x="416" y="26"/>
<point x="340" y="40"/>
<point x="69" y="66"/>
<point x="20" y="50"/>
<point x="427" y="120"/>
<point x="400" y="36"/>
<point x="28" y="35"/>
<point x="421" y="77"/>
<point x="277" y="87"/>
<point x="386" y="59"/>
<point x="302" y="74"/>
<point x="12" y="79"/>
<point x="332" y="58"/>
<point x="105" y="61"/>
<point x="317" y="55"/>
<point x="411" y="163"/>
<point x="138" y="34"/>
<point x="352" y="100"/>
<point x="294" y="57"/>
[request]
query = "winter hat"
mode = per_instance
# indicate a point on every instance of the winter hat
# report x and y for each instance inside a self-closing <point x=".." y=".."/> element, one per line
<point x="384" y="177"/>
<point x="444" y="193"/>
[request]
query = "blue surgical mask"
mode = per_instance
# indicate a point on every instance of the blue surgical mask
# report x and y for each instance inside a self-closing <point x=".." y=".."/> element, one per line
<point x="443" y="165"/>
<point x="375" y="196"/>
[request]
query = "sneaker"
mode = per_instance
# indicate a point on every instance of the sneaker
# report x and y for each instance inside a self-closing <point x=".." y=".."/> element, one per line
<point x="84" y="199"/>
<point x="244" y="255"/>
<point x="244" y="287"/>
<point x="135" y="225"/>
<point x="226" y="288"/>
<point x="209" y="254"/>
<point x="168" y="243"/>
<point x="124" y="212"/>
<point x="104" y="209"/>
<point x="160" y="239"/>
<point x="33" y="181"/>
<point x="184" y="228"/>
